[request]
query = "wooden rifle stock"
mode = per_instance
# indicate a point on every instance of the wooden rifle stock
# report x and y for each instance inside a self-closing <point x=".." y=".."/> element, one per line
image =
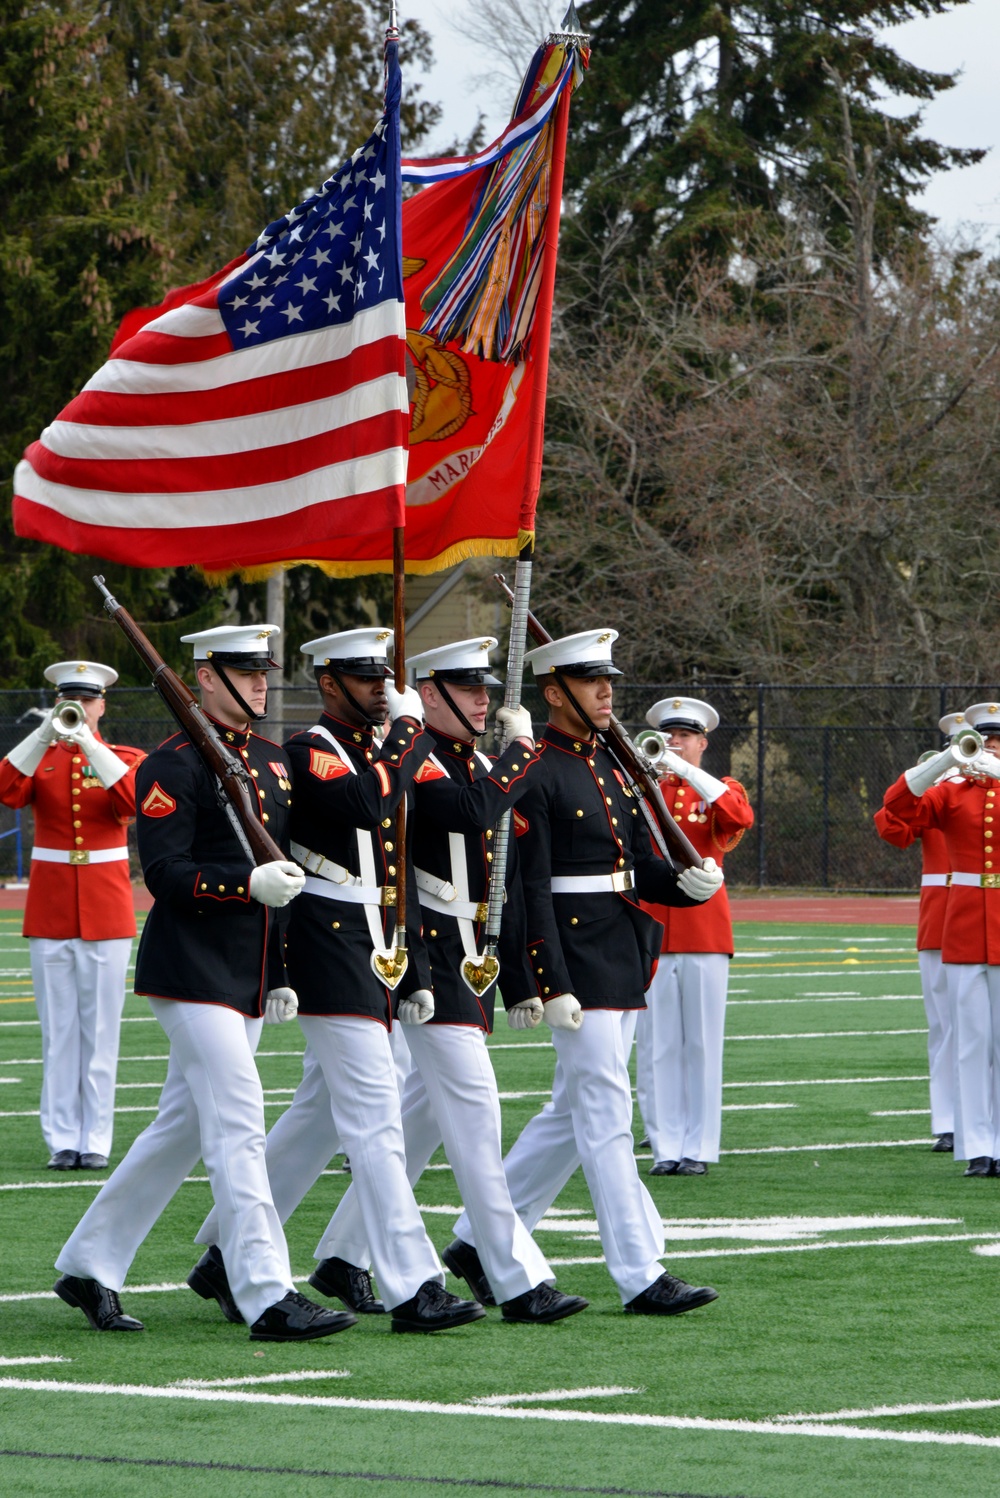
<point x="618" y="744"/>
<point x="229" y="771"/>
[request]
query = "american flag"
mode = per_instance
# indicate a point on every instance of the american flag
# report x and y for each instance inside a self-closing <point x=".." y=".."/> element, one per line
<point x="260" y="416"/>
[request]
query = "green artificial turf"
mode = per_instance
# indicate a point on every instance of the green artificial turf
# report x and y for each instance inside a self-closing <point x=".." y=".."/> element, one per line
<point x="804" y="1324"/>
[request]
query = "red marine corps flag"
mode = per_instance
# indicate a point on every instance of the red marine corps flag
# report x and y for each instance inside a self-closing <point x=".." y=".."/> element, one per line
<point x="479" y="252"/>
<point x="257" y="417"/>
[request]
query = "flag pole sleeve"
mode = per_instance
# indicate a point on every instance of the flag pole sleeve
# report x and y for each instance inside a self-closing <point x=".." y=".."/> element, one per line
<point x="543" y="315"/>
<point x="532" y="484"/>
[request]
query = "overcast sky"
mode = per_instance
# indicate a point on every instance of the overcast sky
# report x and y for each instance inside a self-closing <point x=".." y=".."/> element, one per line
<point x="967" y="38"/>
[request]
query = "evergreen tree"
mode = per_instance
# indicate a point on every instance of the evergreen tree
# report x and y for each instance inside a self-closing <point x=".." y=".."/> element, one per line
<point x="700" y="116"/>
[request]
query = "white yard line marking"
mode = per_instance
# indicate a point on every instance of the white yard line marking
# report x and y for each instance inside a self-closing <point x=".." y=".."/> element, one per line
<point x="762" y="1230"/>
<point x="881" y="1411"/>
<point x="755" y="1250"/>
<point x="805" y="1149"/>
<point x="22" y="1362"/>
<point x="988" y="1250"/>
<point x="842" y="998"/>
<point x="900" y="1113"/>
<point x="826" y="1034"/>
<point x="608" y="1391"/>
<point x="766" y="974"/>
<point x="755" y="1107"/>
<point x="829" y="1081"/>
<point x="503" y="1412"/>
<point x="307" y="1375"/>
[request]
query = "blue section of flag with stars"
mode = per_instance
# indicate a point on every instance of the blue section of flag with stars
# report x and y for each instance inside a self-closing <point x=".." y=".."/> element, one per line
<point x="334" y="254"/>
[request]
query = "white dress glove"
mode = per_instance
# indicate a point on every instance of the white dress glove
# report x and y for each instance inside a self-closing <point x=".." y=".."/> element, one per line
<point x="101" y="758"/>
<point x="28" y="754"/>
<point x="516" y="723"/>
<point x="526" y="1015"/>
<point x="922" y="776"/>
<point x="701" y="884"/>
<point x="984" y="764"/>
<point x="404" y="704"/>
<point x="708" y="788"/>
<point x="563" y="1012"/>
<point x="281" y="1004"/>
<point x="417" y="1009"/>
<point x="276" y="883"/>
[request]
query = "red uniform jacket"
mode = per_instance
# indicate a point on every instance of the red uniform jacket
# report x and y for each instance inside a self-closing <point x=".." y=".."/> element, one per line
<point x="968" y="813"/>
<point x="715" y="830"/>
<point x="935" y="866"/>
<point x="74" y="812"/>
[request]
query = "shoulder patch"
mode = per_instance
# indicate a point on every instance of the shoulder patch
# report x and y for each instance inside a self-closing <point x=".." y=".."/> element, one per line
<point x="157" y="803"/>
<point x="521" y="823"/>
<point x="326" y="766"/>
<point x="430" y="771"/>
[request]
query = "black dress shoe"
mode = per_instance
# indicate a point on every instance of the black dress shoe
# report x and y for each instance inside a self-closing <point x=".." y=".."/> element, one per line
<point x="63" y="1160"/>
<point x="543" y="1303"/>
<point x="663" y="1168"/>
<point x="349" y="1283"/>
<point x="434" y="1309"/>
<point x="209" y="1279"/>
<point x="944" y="1144"/>
<point x="295" y="1319"/>
<point x="93" y="1162"/>
<point x="465" y="1264"/>
<point x="982" y="1165"/>
<point x="692" y="1168"/>
<point x="643" y="1144"/>
<point x="100" y="1305"/>
<point x="668" y="1296"/>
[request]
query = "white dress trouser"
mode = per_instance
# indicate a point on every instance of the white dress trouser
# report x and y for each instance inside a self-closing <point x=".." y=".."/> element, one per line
<point x="211" y="1106"/>
<point x="360" y="1074"/>
<point x="303" y="1140"/>
<point x="451" y="1096"/>
<point x="589" y="1122"/>
<point x="940" y="1040"/>
<point x="79" y="994"/>
<point x="679" y="1042"/>
<point x="974" y="991"/>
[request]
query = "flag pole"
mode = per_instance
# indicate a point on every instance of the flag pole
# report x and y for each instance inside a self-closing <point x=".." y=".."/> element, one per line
<point x="396" y="967"/>
<point x="479" y="976"/>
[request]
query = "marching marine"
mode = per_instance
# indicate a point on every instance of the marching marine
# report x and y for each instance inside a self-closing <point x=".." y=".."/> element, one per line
<point x="209" y="962"/>
<point x="80" y="917"/>
<point x="585" y="859"/>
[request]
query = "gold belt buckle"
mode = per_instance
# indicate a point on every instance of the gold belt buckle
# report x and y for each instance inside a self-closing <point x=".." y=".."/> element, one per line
<point x="482" y="911"/>
<point x="79" y="855"/>
<point x="387" y="895"/>
<point x="991" y="881"/>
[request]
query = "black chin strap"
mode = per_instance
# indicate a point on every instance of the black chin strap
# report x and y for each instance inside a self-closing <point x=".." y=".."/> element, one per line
<point x="363" y="713"/>
<point x="456" y="709"/>
<point x="221" y="672"/>
<point x="576" y="706"/>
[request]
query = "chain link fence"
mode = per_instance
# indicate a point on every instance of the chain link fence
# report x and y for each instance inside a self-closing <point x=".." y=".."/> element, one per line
<point x="815" y="762"/>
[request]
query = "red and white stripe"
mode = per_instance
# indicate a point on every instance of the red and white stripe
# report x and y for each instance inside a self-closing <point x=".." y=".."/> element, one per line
<point x="272" y="447"/>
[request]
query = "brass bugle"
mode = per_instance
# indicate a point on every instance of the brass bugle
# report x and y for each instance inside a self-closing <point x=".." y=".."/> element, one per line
<point x="967" y="745"/>
<point x="652" y="744"/>
<point x="69" y="716"/>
